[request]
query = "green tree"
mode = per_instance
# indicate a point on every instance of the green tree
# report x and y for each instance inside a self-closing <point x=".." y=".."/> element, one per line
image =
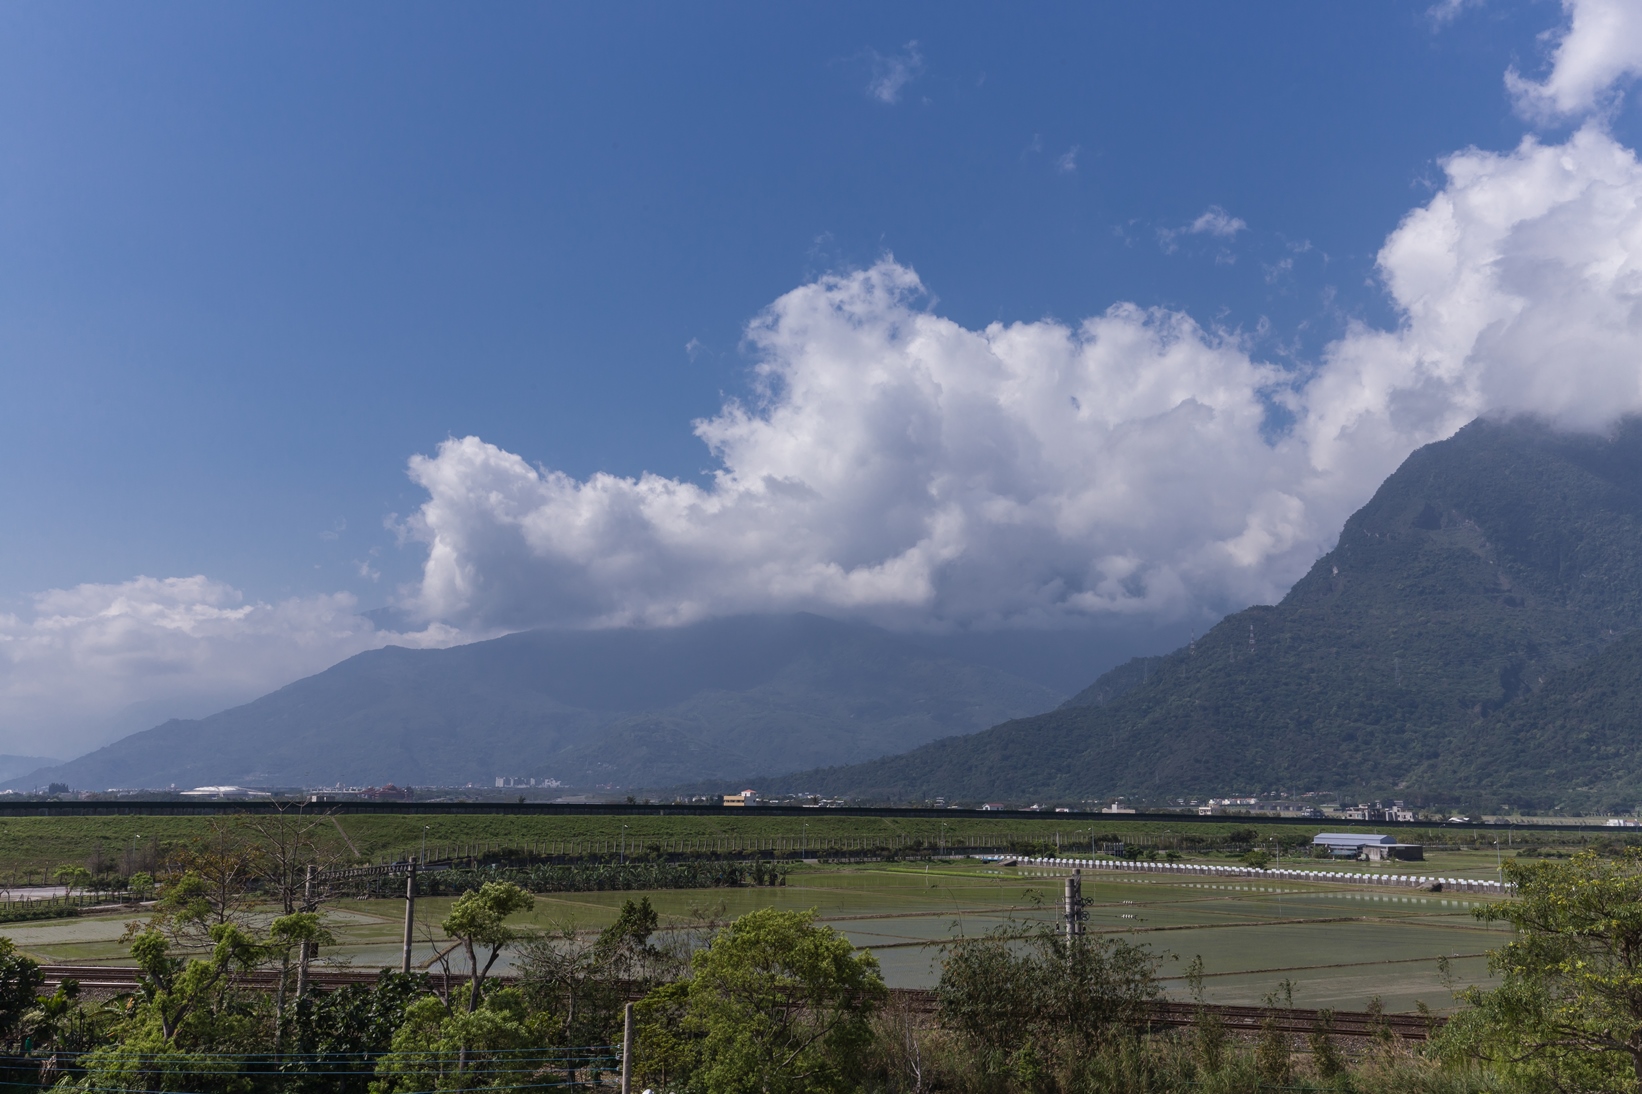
<point x="775" y="1005"/>
<point x="583" y="987"/>
<point x="72" y="878"/>
<point x="172" y="989"/>
<point x="336" y="1038"/>
<point x="20" y="980"/>
<point x="436" y="1048"/>
<point x="624" y="948"/>
<point x="188" y="1029"/>
<point x="209" y="882"/>
<point x="478" y="920"/>
<point x="1257" y="858"/>
<point x="1568" y="1010"/>
<point x="1027" y="1005"/>
<point x="284" y="935"/>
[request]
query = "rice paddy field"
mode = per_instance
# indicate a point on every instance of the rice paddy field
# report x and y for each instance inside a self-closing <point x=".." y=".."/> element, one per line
<point x="1340" y="944"/>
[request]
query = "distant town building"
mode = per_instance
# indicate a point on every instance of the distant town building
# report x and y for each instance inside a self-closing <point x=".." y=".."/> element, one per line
<point x="1117" y="807"/>
<point x="1258" y="807"/>
<point x="225" y="792"/>
<point x="743" y="799"/>
<point x="1378" y="811"/>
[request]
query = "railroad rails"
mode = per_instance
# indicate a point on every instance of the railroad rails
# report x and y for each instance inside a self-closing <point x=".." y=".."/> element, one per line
<point x="105" y="980"/>
<point x="1250" y="1020"/>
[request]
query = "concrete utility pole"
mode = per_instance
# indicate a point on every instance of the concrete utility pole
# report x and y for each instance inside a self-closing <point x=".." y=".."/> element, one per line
<point x="627" y="1049"/>
<point x="410" y="917"/>
<point x="1074" y="906"/>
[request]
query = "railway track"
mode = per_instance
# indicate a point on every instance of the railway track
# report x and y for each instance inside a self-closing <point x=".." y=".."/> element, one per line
<point x="115" y="979"/>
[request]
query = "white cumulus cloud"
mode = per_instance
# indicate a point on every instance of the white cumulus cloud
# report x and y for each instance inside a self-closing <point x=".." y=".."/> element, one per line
<point x="1600" y="47"/>
<point x="899" y="465"/>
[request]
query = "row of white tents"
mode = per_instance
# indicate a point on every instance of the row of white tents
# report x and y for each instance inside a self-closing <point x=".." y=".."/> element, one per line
<point x="1449" y="884"/>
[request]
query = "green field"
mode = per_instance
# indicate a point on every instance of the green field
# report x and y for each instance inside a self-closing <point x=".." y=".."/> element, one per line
<point x="1340" y="944"/>
<point x="32" y="845"/>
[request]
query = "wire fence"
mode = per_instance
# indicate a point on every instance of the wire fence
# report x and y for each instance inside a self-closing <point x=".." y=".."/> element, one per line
<point x="178" y="1072"/>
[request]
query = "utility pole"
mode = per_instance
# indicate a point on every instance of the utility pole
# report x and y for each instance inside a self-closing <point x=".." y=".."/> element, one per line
<point x="1074" y="913"/>
<point x="627" y="1049"/>
<point x="424" y="857"/>
<point x="410" y="917"/>
<point x="305" y="950"/>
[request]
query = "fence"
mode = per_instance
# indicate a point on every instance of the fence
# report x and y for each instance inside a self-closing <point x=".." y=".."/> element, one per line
<point x="1447" y="884"/>
<point x="53" y="907"/>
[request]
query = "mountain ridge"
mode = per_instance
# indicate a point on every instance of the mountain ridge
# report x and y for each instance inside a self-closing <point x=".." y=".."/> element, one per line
<point x="635" y="707"/>
<point x="1484" y="567"/>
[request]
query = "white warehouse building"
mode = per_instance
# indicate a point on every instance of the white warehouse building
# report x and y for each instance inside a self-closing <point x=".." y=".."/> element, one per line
<point x="1374" y="848"/>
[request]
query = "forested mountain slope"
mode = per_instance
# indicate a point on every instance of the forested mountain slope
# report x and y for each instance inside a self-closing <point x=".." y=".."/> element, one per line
<point x="633" y="708"/>
<point x="1482" y="568"/>
<point x="1574" y="744"/>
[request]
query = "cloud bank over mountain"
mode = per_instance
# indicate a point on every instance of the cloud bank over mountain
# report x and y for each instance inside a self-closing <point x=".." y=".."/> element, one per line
<point x="899" y="466"/>
<point x="120" y="657"/>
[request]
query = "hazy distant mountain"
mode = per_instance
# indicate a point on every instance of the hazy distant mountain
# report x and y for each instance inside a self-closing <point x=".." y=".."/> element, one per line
<point x="12" y="767"/>
<point x="722" y="699"/>
<point x="1489" y="567"/>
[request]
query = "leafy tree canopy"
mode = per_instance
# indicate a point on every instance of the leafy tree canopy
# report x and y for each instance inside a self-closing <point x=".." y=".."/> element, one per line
<point x="776" y="1005"/>
<point x="1568" y="1011"/>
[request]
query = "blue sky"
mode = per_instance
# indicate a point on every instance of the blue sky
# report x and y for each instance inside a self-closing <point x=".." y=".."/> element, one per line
<point x="254" y="258"/>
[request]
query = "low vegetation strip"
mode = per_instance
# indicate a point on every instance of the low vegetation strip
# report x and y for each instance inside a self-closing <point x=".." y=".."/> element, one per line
<point x="1414" y="1027"/>
<point x="601" y="877"/>
<point x="28" y="911"/>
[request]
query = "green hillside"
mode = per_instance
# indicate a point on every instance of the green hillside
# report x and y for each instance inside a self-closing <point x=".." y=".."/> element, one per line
<point x="1483" y="568"/>
<point x="1574" y="745"/>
